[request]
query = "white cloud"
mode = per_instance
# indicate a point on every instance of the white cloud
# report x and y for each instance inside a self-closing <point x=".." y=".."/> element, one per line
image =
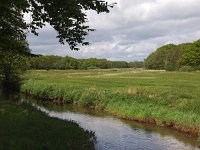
<point x="131" y="31"/>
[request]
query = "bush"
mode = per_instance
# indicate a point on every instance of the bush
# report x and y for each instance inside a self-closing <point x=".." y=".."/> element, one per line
<point x="93" y="67"/>
<point x="12" y="66"/>
<point x="197" y="68"/>
<point x="170" y="68"/>
<point x="186" y="69"/>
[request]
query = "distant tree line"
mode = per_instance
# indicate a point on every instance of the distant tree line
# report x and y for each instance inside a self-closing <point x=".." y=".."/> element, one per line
<point x="183" y="57"/>
<point x="64" y="63"/>
<point x="175" y="57"/>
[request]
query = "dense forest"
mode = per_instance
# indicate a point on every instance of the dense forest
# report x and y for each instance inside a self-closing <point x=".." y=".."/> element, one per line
<point x="63" y="63"/>
<point x="183" y="57"/>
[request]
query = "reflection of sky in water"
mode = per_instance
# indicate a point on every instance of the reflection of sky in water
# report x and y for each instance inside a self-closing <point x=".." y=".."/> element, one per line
<point x="112" y="134"/>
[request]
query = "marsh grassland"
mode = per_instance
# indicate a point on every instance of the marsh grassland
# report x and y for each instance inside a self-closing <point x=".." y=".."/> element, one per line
<point x="170" y="99"/>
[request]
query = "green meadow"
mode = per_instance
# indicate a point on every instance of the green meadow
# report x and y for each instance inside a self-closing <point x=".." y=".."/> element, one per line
<point x="172" y="97"/>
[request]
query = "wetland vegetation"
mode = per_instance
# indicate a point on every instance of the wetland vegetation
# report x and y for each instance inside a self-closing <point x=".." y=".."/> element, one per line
<point x="164" y="98"/>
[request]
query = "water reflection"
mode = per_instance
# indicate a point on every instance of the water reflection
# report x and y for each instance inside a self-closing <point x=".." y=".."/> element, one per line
<point x="114" y="134"/>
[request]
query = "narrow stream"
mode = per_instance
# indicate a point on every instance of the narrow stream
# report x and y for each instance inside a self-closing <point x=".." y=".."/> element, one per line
<point x="115" y="134"/>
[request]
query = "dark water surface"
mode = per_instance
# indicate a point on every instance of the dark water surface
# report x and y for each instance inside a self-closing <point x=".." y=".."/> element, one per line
<point x="116" y="134"/>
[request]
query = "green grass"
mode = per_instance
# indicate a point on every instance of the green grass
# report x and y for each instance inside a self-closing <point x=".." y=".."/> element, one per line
<point x="165" y="96"/>
<point x="24" y="128"/>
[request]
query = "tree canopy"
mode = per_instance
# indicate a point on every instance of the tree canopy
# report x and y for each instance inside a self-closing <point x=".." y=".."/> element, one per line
<point x="67" y="17"/>
<point x="63" y="63"/>
<point x="174" y="57"/>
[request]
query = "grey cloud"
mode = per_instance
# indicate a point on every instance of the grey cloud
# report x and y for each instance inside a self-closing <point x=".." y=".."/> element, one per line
<point x="131" y="31"/>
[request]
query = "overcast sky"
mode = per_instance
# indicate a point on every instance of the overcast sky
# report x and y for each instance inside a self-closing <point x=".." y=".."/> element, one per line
<point x="131" y="31"/>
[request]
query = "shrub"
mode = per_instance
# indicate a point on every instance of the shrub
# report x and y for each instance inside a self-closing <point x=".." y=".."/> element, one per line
<point x="197" y="67"/>
<point x="92" y="67"/>
<point x="186" y="69"/>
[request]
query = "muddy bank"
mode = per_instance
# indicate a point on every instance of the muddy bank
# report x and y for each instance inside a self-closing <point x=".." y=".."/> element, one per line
<point x="168" y="124"/>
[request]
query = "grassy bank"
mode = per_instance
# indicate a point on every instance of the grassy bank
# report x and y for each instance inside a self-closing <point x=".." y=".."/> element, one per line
<point x="166" y="98"/>
<point x="24" y="128"/>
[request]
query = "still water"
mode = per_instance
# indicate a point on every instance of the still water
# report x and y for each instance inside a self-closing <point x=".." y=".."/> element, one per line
<point x="115" y="134"/>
